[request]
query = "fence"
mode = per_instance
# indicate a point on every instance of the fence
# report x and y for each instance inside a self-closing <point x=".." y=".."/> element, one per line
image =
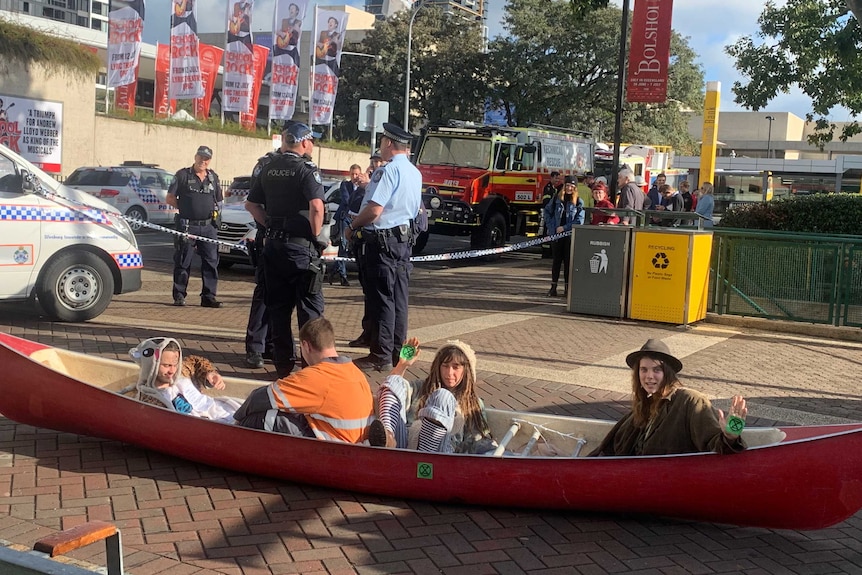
<point x="777" y="275"/>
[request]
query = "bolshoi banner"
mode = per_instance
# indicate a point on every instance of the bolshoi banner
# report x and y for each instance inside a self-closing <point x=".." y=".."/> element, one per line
<point x="163" y="105"/>
<point x="649" y="51"/>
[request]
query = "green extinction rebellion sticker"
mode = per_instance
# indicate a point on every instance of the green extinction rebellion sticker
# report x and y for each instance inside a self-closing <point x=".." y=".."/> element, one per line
<point x="424" y="471"/>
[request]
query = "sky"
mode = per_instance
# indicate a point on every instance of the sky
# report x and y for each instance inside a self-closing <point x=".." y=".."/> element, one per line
<point x="710" y="25"/>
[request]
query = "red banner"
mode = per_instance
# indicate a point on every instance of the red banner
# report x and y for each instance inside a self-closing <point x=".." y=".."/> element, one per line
<point x="210" y="58"/>
<point x="162" y="106"/>
<point x="124" y="97"/>
<point x="248" y="120"/>
<point x="649" y="54"/>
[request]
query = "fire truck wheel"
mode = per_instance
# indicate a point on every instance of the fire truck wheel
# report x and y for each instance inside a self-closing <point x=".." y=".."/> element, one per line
<point x="421" y="242"/>
<point x="492" y="233"/>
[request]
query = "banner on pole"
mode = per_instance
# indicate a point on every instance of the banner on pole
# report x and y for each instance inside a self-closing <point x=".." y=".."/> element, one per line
<point x="124" y="98"/>
<point x="185" y="68"/>
<point x="649" y="52"/>
<point x="163" y="105"/>
<point x="287" y="33"/>
<point x="248" y="119"/>
<point x="327" y="63"/>
<point x="125" y="27"/>
<point x="238" y="58"/>
<point x="210" y="58"/>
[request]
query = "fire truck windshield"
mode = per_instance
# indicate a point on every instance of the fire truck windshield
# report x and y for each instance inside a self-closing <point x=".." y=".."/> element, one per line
<point x="455" y="151"/>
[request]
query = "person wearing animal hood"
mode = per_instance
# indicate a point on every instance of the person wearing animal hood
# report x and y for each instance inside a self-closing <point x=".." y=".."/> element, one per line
<point x="163" y="382"/>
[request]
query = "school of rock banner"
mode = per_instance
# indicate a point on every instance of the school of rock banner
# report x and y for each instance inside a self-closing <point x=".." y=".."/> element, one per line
<point x="238" y="75"/>
<point x="185" y="68"/>
<point x="34" y="129"/>
<point x="163" y="104"/>
<point x="248" y="119"/>
<point x="210" y="59"/>
<point x="286" y="35"/>
<point x="125" y="27"/>
<point x="329" y="26"/>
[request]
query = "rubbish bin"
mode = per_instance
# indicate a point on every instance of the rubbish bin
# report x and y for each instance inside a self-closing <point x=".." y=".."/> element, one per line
<point x="669" y="275"/>
<point x="599" y="268"/>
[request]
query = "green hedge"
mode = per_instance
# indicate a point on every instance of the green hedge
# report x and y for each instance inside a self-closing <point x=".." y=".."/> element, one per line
<point x="24" y="46"/>
<point x="818" y="214"/>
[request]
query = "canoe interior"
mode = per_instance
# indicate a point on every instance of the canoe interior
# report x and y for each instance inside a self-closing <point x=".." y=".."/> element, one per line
<point x="562" y="432"/>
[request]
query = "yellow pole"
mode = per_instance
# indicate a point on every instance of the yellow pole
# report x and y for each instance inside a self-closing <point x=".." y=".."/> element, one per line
<point x="709" y="141"/>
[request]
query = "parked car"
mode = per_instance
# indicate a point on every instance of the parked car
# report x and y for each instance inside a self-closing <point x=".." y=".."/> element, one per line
<point x="67" y="250"/>
<point x="238" y="190"/>
<point x="136" y="189"/>
<point x="238" y="227"/>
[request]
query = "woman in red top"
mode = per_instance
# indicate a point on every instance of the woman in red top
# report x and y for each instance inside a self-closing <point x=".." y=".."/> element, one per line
<point x="601" y="201"/>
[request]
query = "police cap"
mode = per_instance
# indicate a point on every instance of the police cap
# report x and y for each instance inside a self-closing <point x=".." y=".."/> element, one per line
<point x="376" y="155"/>
<point x="396" y="133"/>
<point x="295" y="132"/>
<point x="205" y="152"/>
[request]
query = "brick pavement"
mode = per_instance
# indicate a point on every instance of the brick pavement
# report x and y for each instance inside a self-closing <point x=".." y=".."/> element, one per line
<point x="180" y="518"/>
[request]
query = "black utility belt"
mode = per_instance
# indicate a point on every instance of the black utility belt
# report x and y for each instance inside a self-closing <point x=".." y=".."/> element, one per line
<point x="284" y="236"/>
<point x="204" y="222"/>
<point x="395" y="232"/>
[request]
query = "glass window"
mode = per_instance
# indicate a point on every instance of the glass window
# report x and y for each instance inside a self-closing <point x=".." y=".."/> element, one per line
<point x="460" y="152"/>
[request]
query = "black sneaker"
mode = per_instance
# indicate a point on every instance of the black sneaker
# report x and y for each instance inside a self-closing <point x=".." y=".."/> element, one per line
<point x="359" y="342"/>
<point x="370" y="362"/>
<point x="210" y="303"/>
<point x="254" y="359"/>
<point x="180" y="301"/>
<point x="379" y="436"/>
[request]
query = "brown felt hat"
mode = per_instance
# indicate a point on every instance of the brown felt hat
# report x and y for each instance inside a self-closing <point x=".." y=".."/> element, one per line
<point x="654" y="348"/>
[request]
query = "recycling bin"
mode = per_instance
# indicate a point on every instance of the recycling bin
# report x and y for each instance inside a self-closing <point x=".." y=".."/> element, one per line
<point x="599" y="270"/>
<point x="669" y="275"/>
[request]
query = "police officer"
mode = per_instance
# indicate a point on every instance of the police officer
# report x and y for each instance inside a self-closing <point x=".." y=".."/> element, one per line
<point x="288" y="199"/>
<point x="385" y="224"/>
<point x="258" y="336"/>
<point x="196" y="193"/>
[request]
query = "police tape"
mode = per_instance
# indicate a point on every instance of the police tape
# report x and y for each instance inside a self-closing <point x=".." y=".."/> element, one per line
<point x="243" y="246"/>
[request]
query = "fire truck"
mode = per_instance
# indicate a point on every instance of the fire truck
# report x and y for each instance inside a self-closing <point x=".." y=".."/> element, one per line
<point x="488" y="180"/>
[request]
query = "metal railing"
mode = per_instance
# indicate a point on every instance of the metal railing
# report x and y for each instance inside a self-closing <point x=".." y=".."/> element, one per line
<point x="776" y="275"/>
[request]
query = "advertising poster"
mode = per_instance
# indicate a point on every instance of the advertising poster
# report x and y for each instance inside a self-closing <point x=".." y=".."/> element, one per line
<point x="238" y="58"/>
<point x="248" y="119"/>
<point x="649" y="51"/>
<point x="163" y="105"/>
<point x="210" y="58"/>
<point x="329" y="26"/>
<point x="185" y="68"/>
<point x="34" y="129"/>
<point x="125" y="27"/>
<point x="286" y="35"/>
<point x="124" y="98"/>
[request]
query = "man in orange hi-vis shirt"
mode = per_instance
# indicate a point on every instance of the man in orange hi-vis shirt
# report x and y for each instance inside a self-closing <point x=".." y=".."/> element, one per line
<point x="330" y="399"/>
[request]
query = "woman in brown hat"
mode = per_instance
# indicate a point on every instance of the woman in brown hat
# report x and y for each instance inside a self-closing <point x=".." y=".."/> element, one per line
<point x="667" y="418"/>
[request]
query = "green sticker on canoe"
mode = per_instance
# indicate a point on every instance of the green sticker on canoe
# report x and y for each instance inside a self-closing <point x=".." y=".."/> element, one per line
<point x="424" y="471"/>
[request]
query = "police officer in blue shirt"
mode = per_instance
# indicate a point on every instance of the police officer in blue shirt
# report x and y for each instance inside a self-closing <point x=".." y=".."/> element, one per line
<point x="287" y="198"/>
<point x="197" y="195"/>
<point x="384" y="226"/>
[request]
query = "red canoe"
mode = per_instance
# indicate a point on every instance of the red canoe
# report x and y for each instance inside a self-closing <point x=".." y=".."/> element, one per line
<point x="806" y="477"/>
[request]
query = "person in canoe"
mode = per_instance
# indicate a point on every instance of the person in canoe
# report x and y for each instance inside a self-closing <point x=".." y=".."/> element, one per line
<point x="330" y="399"/>
<point x="440" y="413"/>
<point x="667" y="418"/>
<point x="168" y="381"/>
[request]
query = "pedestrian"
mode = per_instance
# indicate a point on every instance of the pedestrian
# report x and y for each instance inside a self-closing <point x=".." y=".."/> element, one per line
<point x="197" y="195"/>
<point x="630" y="197"/>
<point x="358" y="252"/>
<point x="390" y="206"/>
<point x="654" y="193"/>
<point x="671" y="202"/>
<point x="706" y="204"/>
<point x="288" y="199"/>
<point x="562" y="212"/>
<point x="689" y="199"/>
<point x="348" y="189"/>
<point x="258" y="335"/>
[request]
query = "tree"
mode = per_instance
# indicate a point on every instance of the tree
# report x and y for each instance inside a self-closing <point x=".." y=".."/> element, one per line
<point x="447" y="70"/>
<point x="559" y="67"/>
<point x="811" y="44"/>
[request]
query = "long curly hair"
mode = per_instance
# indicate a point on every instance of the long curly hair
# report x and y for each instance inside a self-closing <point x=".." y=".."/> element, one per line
<point x="464" y="392"/>
<point x="644" y="406"/>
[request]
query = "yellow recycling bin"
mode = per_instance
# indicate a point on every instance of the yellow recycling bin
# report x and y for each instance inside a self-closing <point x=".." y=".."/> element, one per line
<point x="669" y="275"/>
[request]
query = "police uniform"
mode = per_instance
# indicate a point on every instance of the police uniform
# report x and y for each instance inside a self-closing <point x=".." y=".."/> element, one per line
<point x="285" y="187"/>
<point x="258" y="337"/>
<point x="197" y="201"/>
<point x="387" y="245"/>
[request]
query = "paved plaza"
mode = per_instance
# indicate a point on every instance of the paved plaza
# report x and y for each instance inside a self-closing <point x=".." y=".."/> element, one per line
<point x="181" y="518"/>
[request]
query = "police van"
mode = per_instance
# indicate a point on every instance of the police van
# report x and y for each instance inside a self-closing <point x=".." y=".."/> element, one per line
<point x="62" y="247"/>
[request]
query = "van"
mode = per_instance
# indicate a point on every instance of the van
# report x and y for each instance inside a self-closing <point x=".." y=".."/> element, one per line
<point x="67" y="250"/>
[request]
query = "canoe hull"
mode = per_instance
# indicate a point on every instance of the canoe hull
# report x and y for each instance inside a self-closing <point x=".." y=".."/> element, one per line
<point x="807" y="483"/>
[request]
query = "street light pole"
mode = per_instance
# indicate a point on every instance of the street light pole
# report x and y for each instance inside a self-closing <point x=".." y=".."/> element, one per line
<point x="769" y="138"/>
<point x="407" y="73"/>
